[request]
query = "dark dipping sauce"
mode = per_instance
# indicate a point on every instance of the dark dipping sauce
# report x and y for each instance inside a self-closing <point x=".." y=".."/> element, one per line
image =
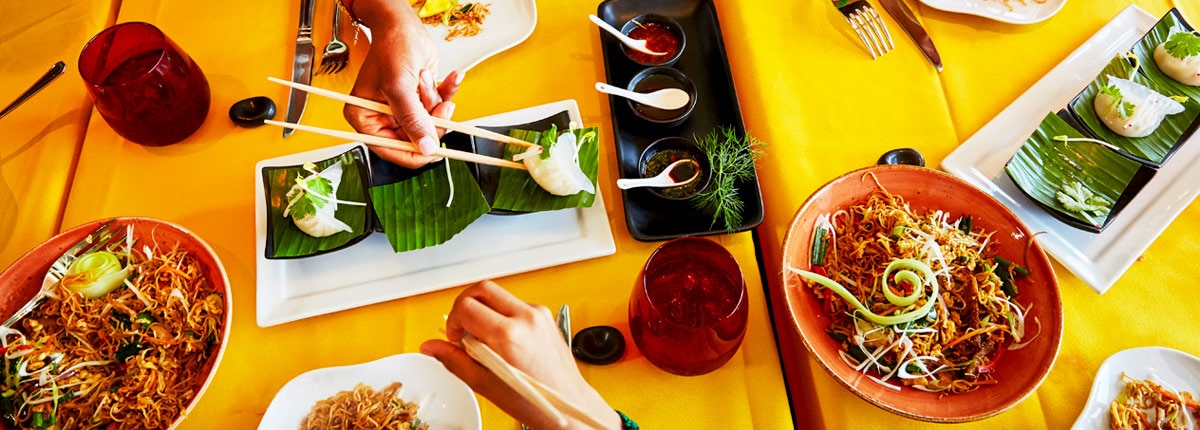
<point x="654" y="83"/>
<point x="658" y="39"/>
<point x="659" y="162"/>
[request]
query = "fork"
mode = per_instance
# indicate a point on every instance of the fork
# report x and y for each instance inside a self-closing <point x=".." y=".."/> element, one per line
<point x="870" y="27"/>
<point x="336" y="54"/>
<point x="103" y="237"/>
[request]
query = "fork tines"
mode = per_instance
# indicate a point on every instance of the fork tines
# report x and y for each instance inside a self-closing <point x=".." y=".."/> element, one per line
<point x="870" y="28"/>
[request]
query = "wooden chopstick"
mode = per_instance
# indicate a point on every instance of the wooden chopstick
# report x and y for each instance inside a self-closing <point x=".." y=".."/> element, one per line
<point x="380" y="107"/>
<point x="402" y="145"/>
<point x="544" y="398"/>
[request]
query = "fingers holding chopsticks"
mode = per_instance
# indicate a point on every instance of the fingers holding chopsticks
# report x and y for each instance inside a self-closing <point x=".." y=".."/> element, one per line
<point x="525" y="338"/>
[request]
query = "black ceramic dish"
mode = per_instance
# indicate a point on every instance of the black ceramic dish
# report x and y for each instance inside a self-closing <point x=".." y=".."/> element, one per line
<point x="384" y="173"/>
<point x="662" y="22"/>
<point x="1157" y="148"/>
<point x="280" y="175"/>
<point x="661" y="78"/>
<point x="1025" y="170"/>
<point x="648" y="217"/>
<point x="675" y="148"/>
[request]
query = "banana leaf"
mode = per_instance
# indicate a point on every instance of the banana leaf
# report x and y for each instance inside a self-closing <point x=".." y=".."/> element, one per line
<point x="1043" y="167"/>
<point x="517" y="191"/>
<point x="413" y="211"/>
<point x="286" y="240"/>
<point x="1154" y="149"/>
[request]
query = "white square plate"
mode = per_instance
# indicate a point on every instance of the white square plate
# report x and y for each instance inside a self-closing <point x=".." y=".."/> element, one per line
<point x="1028" y="13"/>
<point x="1097" y="259"/>
<point x="443" y="401"/>
<point x="370" y="272"/>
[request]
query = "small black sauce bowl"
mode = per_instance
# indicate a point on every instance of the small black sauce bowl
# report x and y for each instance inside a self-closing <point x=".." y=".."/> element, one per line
<point x="675" y="144"/>
<point x="657" y="78"/>
<point x="666" y="22"/>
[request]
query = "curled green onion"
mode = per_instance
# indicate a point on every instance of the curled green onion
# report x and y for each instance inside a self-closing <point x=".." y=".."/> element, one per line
<point x="913" y="271"/>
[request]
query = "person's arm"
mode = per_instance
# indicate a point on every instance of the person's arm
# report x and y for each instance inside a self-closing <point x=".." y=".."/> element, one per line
<point x="399" y="70"/>
<point x="528" y="339"/>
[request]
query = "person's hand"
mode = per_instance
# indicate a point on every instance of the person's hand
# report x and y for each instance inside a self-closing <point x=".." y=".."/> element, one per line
<point x="526" y="337"/>
<point x="399" y="70"/>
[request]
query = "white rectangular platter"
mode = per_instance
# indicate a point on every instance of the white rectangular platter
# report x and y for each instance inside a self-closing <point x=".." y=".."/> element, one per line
<point x="370" y="272"/>
<point x="1097" y="259"/>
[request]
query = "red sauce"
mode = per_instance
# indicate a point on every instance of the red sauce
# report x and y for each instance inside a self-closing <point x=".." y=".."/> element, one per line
<point x="658" y="39"/>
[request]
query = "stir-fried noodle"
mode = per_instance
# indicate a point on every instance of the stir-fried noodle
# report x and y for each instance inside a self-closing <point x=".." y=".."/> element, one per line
<point x="131" y="359"/>
<point x="464" y="20"/>
<point x="917" y="297"/>
<point x="364" y="408"/>
<point x="1144" y="404"/>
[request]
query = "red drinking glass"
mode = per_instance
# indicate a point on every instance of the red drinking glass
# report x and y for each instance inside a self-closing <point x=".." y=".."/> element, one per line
<point x="144" y="85"/>
<point x="689" y="307"/>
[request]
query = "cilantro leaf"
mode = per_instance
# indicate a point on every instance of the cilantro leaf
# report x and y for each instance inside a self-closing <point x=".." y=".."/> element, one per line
<point x="1183" y="45"/>
<point x="1124" y="108"/>
<point x="1077" y="198"/>
<point x="313" y="192"/>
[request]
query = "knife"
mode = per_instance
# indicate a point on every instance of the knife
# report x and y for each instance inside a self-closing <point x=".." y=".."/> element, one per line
<point x="302" y="65"/>
<point x="909" y="22"/>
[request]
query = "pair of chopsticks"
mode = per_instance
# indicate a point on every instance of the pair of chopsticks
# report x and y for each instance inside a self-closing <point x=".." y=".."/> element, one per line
<point x="400" y="144"/>
<point x="544" y="398"/>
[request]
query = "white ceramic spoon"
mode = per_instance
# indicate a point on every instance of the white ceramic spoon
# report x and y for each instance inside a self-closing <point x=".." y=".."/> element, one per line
<point x="639" y="45"/>
<point x="665" y="99"/>
<point x="662" y="180"/>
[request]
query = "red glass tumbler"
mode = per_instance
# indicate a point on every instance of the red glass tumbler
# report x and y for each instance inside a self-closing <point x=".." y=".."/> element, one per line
<point x="144" y="85"/>
<point x="689" y="307"/>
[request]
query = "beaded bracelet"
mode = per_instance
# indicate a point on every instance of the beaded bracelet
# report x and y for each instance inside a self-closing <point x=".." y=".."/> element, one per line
<point x="346" y="6"/>
<point x="626" y="423"/>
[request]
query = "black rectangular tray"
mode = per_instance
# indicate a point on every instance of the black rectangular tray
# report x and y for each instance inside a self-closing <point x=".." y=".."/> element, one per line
<point x="648" y="217"/>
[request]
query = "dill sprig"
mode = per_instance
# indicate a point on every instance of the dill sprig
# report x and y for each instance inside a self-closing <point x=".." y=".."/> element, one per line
<point x="731" y="158"/>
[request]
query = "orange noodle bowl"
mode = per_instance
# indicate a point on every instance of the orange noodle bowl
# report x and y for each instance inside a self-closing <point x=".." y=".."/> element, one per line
<point x="921" y="294"/>
<point x="134" y="353"/>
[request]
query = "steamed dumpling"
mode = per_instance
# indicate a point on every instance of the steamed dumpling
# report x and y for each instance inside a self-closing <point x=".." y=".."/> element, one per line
<point x="1132" y="110"/>
<point x="312" y="202"/>
<point x="559" y="173"/>
<point x="1179" y="58"/>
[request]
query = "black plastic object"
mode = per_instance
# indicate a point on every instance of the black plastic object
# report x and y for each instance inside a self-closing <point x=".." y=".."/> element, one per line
<point x="648" y="217"/>
<point x="251" y="112"/>
<point x="907" y="156"/>
<point x="598" y="345"/>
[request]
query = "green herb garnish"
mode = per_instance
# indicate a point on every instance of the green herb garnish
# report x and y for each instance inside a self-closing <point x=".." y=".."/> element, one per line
<point x="731" y="158"/>
<point x="1124" y="108"/>
<point x="1183" y="45"/>
<point x="315" y="186"/>
<point x="1077" y="198"/>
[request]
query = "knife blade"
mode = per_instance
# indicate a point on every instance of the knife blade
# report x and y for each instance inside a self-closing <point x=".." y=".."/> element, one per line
<point x="909" y="22"/>
<point x="301" y="65"/>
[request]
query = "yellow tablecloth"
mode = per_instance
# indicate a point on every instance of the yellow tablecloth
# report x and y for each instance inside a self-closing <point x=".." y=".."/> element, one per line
<point x="810" y="90"/>
<point x="205" y="183"/>
<point x="40" y="140"/>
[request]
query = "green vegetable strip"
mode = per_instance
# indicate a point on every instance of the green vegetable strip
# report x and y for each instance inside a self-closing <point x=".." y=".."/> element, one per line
<point x="819" y="247"/>
<point x="910" y="265"/>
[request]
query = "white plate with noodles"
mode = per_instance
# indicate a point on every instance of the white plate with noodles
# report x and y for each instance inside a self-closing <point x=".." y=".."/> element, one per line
<point x="507" y="24"/>
<point x="1174" y="370"/>
<point x="1010" y="11"/>
<point x="444" y="402"/>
